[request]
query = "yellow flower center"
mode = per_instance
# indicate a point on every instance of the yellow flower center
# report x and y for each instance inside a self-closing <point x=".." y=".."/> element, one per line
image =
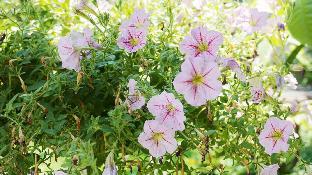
<point x="202" y="47"/>
<point x="170" y="107"/>
<point x="277" y="134"/>
<point x="134" y="41"/>
<point x="157" y="136"/>
<point x="198" y="79"/>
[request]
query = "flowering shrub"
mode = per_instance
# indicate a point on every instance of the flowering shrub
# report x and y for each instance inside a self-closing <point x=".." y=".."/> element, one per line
<point x="158" y="88"/>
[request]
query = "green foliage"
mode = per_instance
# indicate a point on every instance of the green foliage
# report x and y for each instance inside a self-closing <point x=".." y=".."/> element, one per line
<point x="300" y="21"/>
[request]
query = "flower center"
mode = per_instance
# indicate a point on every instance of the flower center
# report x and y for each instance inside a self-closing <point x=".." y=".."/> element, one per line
<point x="198" y="79"/>
<point x="202" y="47"/>
<point x="277" y="134"/>
<point x="170" y="107"/>
<point x="157" y="136"/>
<point x="253" y="23"/>
<point x="134" y="41"/>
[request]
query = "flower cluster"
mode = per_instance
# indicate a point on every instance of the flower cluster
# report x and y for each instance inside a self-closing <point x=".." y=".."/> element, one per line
<point x="133" y="32"/>
<point x="198" y="79"/>
<point x="70" y="47"/>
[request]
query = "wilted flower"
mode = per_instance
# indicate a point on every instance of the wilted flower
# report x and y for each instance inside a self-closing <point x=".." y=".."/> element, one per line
<point x="257" y="90"/>
<point x="234" y="66"/>
<point x="132" y="40"/>
<point x="138" y="21"/>
<point x="134" y="100"/>
<point x="168" y="110"/>
<point x="110" y="167"/>
<point x="157" y="138"/>
<point x="275" y="135"/>
<point x="198" y="81"/>
<point x="202" y="43"/>
<point x="270" y="170"/>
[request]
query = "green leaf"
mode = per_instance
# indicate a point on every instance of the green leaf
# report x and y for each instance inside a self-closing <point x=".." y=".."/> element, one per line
<point x="300" y="21"/>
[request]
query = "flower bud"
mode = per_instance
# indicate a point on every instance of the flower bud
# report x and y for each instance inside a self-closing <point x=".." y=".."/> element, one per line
<point x="110" y="167"/>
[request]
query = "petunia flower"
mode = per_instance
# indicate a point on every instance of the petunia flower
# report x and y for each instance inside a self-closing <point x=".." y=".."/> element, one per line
<point x="168" y="110"/>
<point x="69" y="48"/>
<point x="275" y="135"/>
<point x="257" y="90"/>
<point x="132" y="40"/>
<point x="202" y="43"/>
<point x="234" y="66"/>
<point x="110" y="167"/>
<point x="198" y="81"/>
<point x="157" y="138"/>
<point x="70" y="55"/>
<point x="270" y="170"/>
<point x="87" y="33"/>
<point x="254" y="21"/>
<point x="134" y="100"/>
<point x="138" y="21"/>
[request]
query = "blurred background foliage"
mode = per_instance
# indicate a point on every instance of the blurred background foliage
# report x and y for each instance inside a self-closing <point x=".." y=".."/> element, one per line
<point x="54" y="119"/>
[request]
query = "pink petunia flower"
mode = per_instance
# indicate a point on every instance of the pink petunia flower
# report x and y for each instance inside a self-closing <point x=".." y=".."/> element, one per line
<point x="234" y="66"/>
<point x="138" y="21"/>
<point x="257" y="90"/>
<point x="275" y="135"/>
<point x="87" y="33"/>
<point x="70" y="56"/>
<point x="270" y="170"/>
<point x="132" y="40"/>
<point x="198" y="81"/>
<point x="69" y="48"/>
<point x="255" y="21"/>
<point x="168" y="110"/>
<point x="157" y="138"/>
<point x="134" y="100"/>
<point x="202" y="43"/>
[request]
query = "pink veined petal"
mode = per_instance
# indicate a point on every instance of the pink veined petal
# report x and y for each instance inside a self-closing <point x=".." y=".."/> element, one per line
<point x="170" y="143"/>
<point x="214" y="40"/>
<point x="78" y="40"/>
<point x="199" y="34"/>
<point x="71" y="61"/>
<point x="145" y="140"/>
<point x="191" y="66"/>
<point x="195" y="96"/>
<point x="287" y="127"/>
<point x="270" y="170"/>
<point x="137" y="104"/>
<point x="151" y="126"/>
<point x="188" y="46"/>
<point x="211" y="71"/>
<point x="212" y="88"/>
<point x="131" y="86"/>
<point x="182" y="82"/>
<point x="65" y="47"/>
<point x="157" y="150"/>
